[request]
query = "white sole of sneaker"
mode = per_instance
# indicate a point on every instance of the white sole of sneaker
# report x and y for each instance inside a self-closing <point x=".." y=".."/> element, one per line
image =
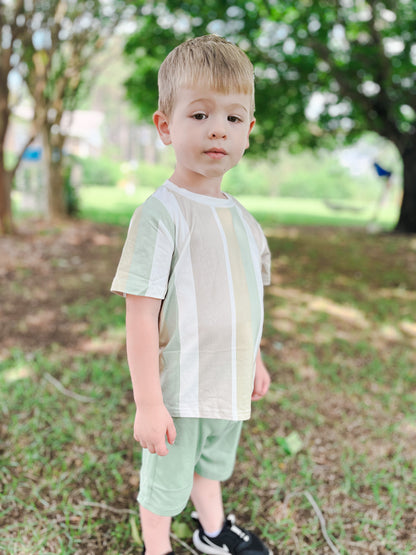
<point x="206" y="548"/>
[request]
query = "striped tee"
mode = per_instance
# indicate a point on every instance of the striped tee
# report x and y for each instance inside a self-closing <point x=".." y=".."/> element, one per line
<point x="208" y="259"/>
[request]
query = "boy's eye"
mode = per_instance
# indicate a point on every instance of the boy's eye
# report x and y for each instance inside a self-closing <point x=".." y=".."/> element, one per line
<point x="234" y="119"/>
<point x="199" y="116"/>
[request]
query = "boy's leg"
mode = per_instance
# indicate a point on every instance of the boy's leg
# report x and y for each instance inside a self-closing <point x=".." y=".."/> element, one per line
<point x="217" y="536"/>
<point x="165" y="485"/>
<point x="207" y="499"/>
<point x="155" y="532"/>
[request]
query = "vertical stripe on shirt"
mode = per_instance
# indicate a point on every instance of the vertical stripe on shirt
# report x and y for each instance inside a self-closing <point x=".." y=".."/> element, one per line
<point x="255" y="260"/>
<point x="241" y="278"/>
<point x="187" y="317"/>
<point x="233" y="314"/>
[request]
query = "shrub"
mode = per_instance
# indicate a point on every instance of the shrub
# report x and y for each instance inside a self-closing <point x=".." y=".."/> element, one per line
<point x="100" y="171"/>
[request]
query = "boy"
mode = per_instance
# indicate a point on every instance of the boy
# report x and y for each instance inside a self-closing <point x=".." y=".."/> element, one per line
<point x="192" y="270"/>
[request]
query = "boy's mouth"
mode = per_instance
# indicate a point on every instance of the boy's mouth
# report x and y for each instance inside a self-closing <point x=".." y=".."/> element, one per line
<point x="216" y="153"/>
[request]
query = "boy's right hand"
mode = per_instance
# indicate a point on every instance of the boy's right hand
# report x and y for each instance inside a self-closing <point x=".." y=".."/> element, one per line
<point x="152" y="424"/>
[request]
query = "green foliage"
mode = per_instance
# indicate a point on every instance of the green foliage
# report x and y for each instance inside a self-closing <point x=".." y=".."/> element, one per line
<point x="306" y="175"/>
<point x="100" y="171"/>
<point x="319" y="175"/>
<point x="325" y="71"/>
<point x="353" y="59"/>
<point x="247" y="178"/>
<point x="151" y="176"/>
<point x="309" y="175"/>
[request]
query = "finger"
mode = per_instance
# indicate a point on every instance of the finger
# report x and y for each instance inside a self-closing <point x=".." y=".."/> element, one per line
<point x="262" y="390"/>
<point x="161" y="450"/>
<point x="153" y="448"/>
<point x="147" y="445"/>
<point x="171" y="433"/>
<point x="259" y="393"/>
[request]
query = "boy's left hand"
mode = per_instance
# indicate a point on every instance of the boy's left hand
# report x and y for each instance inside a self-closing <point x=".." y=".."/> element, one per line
<point x="261" y="380"/>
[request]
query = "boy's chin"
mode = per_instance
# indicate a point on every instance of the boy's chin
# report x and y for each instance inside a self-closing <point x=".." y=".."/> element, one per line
<point x="218" y="171"/>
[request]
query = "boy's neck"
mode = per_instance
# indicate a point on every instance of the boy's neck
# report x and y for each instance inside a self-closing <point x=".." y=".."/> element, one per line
<point x="199" y="185"/>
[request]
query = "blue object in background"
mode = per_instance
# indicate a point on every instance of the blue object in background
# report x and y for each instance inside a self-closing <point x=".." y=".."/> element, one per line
<point x="381" y="171"/>
<point x="32" y="154"/>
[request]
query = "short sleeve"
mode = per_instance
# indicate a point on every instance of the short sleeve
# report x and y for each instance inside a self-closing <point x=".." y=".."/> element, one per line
<point x="145" y="262"/>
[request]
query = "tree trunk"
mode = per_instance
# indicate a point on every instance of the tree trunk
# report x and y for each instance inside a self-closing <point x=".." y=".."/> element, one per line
<point x="407" y="218"/>
<point x="6" y="218"/>
<point x="55" y="175"/>
<point x="56" y="193"/>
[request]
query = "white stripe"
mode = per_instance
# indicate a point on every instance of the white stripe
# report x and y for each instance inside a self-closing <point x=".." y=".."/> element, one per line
<point x="255" y="255"/>
<point x="187" y="310"/>
<point x="168" y="237"/>
<point x="233" y="318"/>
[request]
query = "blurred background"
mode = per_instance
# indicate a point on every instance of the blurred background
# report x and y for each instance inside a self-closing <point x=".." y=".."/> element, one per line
<point x="335" y="138"/>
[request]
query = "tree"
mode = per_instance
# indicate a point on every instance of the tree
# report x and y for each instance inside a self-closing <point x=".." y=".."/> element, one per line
<point x="59" y="73"/>
<point x="325" y="69"/>
<point x="50" y="44"/>
<point x="12" y="32"/>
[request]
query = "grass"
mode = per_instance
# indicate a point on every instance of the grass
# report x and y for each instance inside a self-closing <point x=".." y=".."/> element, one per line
<point x="339" y="341"/>
<point x="114" y="206"/>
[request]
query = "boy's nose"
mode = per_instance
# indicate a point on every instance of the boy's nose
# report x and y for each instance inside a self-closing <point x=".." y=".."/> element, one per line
<point x="217" y="130"/>
<point x="217" y="134"/>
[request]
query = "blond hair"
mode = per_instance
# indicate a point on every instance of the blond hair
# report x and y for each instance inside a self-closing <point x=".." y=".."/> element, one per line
<point x="210" y="60"/>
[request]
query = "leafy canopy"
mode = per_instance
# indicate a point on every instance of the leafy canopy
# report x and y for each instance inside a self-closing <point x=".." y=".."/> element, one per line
<point x="324" y="68"/>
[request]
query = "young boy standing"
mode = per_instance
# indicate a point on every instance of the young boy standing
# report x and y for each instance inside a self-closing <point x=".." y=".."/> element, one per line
<point x="192" y="271"/>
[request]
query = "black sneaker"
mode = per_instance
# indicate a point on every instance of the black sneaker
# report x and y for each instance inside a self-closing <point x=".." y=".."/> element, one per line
<point x="231" y="539"/>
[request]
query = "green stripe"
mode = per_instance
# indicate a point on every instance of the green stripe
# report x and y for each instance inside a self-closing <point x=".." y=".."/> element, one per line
<point x="145" y="236"/>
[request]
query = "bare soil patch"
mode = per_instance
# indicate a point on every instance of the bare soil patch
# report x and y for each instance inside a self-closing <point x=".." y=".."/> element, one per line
<point x="44" y="269"/>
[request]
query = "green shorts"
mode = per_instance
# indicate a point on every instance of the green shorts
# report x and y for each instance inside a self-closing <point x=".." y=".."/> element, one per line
<point x="203" y="445"/>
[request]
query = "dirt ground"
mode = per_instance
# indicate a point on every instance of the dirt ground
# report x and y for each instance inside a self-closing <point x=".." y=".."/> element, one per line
<point x="42" y="270"/>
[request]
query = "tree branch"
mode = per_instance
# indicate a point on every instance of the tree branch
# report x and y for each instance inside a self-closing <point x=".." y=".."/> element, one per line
<point x="20" y="156"/>
<point x="380" y="105"/>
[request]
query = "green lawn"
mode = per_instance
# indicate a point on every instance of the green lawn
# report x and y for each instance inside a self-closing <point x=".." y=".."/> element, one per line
<point x="113" y="205"/>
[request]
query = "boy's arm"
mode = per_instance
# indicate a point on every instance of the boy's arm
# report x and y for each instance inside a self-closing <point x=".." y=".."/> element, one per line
<point x="261" y="379"/>
<point x="153" y="422"/>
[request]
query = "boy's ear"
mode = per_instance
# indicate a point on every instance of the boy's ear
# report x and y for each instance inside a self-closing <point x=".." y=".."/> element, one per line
<point x="252" y="122"/>
<point x="162" y="125"/>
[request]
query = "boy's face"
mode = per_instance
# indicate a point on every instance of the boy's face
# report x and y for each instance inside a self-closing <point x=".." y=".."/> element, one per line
<point x="209" y="132"/>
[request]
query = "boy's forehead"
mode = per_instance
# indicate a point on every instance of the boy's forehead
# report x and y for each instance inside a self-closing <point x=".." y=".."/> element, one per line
<point x="224" y="86"/>
<point x="205" y="91"/>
